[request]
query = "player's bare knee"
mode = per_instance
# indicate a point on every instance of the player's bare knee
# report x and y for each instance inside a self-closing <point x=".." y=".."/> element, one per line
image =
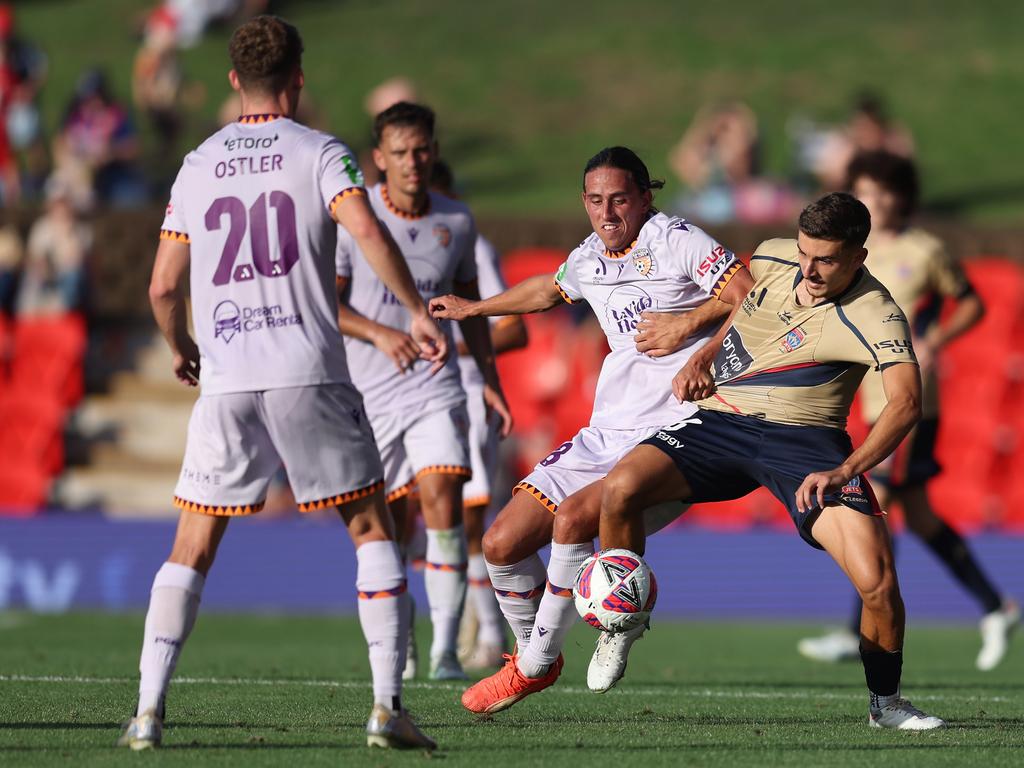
<point x="620" y="494"/>
<point x="575" y="523"/>
<point x="880" y="592"/>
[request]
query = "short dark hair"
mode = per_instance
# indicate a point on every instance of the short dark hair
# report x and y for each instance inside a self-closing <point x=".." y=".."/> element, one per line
<point x="404" y="114"/>
<point x="896" y="173"/>
<point x="265" y="52"/>
<point x="839" y="217"/>
<point x="624" y="159"/>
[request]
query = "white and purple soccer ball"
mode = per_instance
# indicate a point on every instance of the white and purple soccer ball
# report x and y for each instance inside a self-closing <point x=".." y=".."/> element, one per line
<point x="615" y="590"/>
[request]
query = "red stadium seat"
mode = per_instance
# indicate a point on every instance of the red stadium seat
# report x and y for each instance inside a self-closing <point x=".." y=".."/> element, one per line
<point x="6" y="348"/>
<point x="24" y="488"/>
<point x="33" y="430"/>
<point x="48" y="356"/>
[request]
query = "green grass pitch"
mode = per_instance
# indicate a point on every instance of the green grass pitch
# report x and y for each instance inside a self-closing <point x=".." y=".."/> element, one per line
<point x="259" y="691"/>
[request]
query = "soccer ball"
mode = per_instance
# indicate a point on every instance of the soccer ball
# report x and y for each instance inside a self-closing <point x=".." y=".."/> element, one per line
<point x="615" y="590"/>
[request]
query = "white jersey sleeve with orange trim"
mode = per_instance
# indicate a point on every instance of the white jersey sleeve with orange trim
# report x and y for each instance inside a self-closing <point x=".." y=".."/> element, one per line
<point x="174" y="226"/>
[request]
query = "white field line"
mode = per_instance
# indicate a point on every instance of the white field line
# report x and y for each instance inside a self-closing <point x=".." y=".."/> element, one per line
<point x="563" y="689"/>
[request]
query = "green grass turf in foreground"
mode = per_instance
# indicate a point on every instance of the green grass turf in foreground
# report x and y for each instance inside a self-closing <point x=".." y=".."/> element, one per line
<point x="269" y="690"/>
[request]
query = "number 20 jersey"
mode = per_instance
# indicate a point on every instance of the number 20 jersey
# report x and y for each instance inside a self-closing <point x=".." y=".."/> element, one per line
<point x="254" y="202"/>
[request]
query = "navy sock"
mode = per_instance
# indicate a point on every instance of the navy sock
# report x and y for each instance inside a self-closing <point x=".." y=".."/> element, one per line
<point x="952" y="550"/>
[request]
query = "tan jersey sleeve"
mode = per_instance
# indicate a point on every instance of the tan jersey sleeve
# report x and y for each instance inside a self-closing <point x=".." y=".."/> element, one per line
<point x="870" y="330"/>
<point x="947" y="274"/>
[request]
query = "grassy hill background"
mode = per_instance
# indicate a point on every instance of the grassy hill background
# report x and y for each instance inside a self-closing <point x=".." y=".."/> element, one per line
<point x="527" y="91"/>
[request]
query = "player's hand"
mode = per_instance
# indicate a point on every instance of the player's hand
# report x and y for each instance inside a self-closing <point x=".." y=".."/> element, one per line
<point x="494" y="400"/>
<point x="662" y="333"/>
<point x="185" y="365"/>
<point x="432" y="343"/>
<point x="450" y="307"/>
<point x="816" y="485"/>
<point x="400" y="347"/>
<point x="694" y="380"/>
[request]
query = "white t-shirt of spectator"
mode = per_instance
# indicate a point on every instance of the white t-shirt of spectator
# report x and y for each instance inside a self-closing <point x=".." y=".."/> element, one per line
<point x="438" y="246"/>
<point x="672" y="266"/>
<point x="254" y="202"/>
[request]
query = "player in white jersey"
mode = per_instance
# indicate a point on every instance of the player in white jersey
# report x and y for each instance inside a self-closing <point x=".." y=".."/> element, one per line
<point x="418" y="412"/>
<point x="636" y="264"/>
<point x="252" y="226"/>
<point x="482" y="640"/>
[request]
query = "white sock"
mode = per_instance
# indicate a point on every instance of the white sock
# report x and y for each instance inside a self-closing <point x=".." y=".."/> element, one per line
<point x="556" y="613"/>
<point x="492" y="626"/>
<point x="173" y="606"/>
<point x="384" y="616"/>
<point x="445" y="578"/>
<point x="518" y="588"/>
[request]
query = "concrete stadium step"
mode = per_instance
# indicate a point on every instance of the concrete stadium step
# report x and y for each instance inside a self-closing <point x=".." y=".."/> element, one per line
<point x="129" y="492"/>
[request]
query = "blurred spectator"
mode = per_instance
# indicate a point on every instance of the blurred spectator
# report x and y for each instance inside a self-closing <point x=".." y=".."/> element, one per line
<point x="825" y="152"/>
<point x="157" y="79"/>
<point x="11" y="253"/>
<point x="192" y="17"/>
<point x="718" y="159"/>
<point x="22" y="72"/>
<point x="98" y="145"/>
<point x="59" y="242"/>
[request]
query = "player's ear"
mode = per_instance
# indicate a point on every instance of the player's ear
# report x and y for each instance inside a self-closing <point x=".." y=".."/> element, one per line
<point x="860" y="255"/>
<point x="236" y="84"/>
<point x="648" y="198"/>
<point x="378" y="159"/>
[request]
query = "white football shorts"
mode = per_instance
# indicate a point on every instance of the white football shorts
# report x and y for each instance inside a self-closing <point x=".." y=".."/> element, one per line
<point x="413" y="444"/>
<point x="238" y="441"/>
<point x="484" y="429"/>
<point x="585" y="459"/>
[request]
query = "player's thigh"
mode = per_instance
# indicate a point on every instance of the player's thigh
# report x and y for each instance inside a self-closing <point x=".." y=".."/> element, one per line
<point x="523" y="527"/>
<point x="229" y="457"/>
<point x="860" y="545"/>
<point x="646" y="476"/>
<point x="323" y="436"/>
<point x="918" y="512"/>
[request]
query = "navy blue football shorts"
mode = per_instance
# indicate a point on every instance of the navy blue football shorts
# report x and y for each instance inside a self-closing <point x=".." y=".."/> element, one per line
<point x="725" y="456"/>
<point x="913" y="462"/>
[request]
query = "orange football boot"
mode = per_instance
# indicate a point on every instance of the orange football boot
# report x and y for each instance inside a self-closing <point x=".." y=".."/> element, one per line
<point x="507" y="686"/>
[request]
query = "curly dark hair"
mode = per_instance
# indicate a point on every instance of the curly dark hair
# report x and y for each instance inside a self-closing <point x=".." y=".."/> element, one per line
<point x="897" y="174"/>
<point x="265" y="52"/>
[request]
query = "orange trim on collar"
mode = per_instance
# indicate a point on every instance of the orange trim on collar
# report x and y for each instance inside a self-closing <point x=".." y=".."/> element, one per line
<point x="619" y="254"/>
<point x="398" y="211"/>
<point x="257" y="119"/>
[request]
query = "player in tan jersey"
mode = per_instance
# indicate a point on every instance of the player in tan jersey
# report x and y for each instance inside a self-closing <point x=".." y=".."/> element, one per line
<point x="812" y="325"/>
<point x="920" y="274"/>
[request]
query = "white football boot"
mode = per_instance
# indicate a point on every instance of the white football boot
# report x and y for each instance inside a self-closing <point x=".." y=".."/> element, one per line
<point x="901" y="715"/>
<point x="395" y="731"/>
<point x="142" y="732"/>
<point x="447" y="667"/>
<point x="833" y="646"/>
<point x="608" y="664"/>
<point x="996" y="628"/>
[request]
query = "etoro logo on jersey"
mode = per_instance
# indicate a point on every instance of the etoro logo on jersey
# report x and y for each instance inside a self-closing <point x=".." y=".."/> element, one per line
<point x="624" y="305"/>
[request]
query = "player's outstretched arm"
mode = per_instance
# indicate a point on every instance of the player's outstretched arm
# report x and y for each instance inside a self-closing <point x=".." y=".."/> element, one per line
<point x="375" y="242"/>
<point x="694" y="380"/>
<point x="535" y="294"/>
<point x="478" y="342"/>
<point x="167" y="298"/>
<point x="398" y="346"/>
<point x="967" y="313"/>
<point x="902" y="384"/>
<point x="662" y="333"/>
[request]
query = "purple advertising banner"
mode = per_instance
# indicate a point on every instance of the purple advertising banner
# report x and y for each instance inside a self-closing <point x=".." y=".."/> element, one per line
<point x="59" y="563"/>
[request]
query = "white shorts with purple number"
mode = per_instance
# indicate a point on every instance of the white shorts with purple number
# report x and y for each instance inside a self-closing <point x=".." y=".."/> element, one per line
<point x="238" y="441"/>
<point x="585" y="459"/>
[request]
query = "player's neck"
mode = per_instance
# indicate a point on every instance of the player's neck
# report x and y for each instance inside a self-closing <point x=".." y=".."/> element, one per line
<point x="415" y="204"/>
<point x="266" y="105"/>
